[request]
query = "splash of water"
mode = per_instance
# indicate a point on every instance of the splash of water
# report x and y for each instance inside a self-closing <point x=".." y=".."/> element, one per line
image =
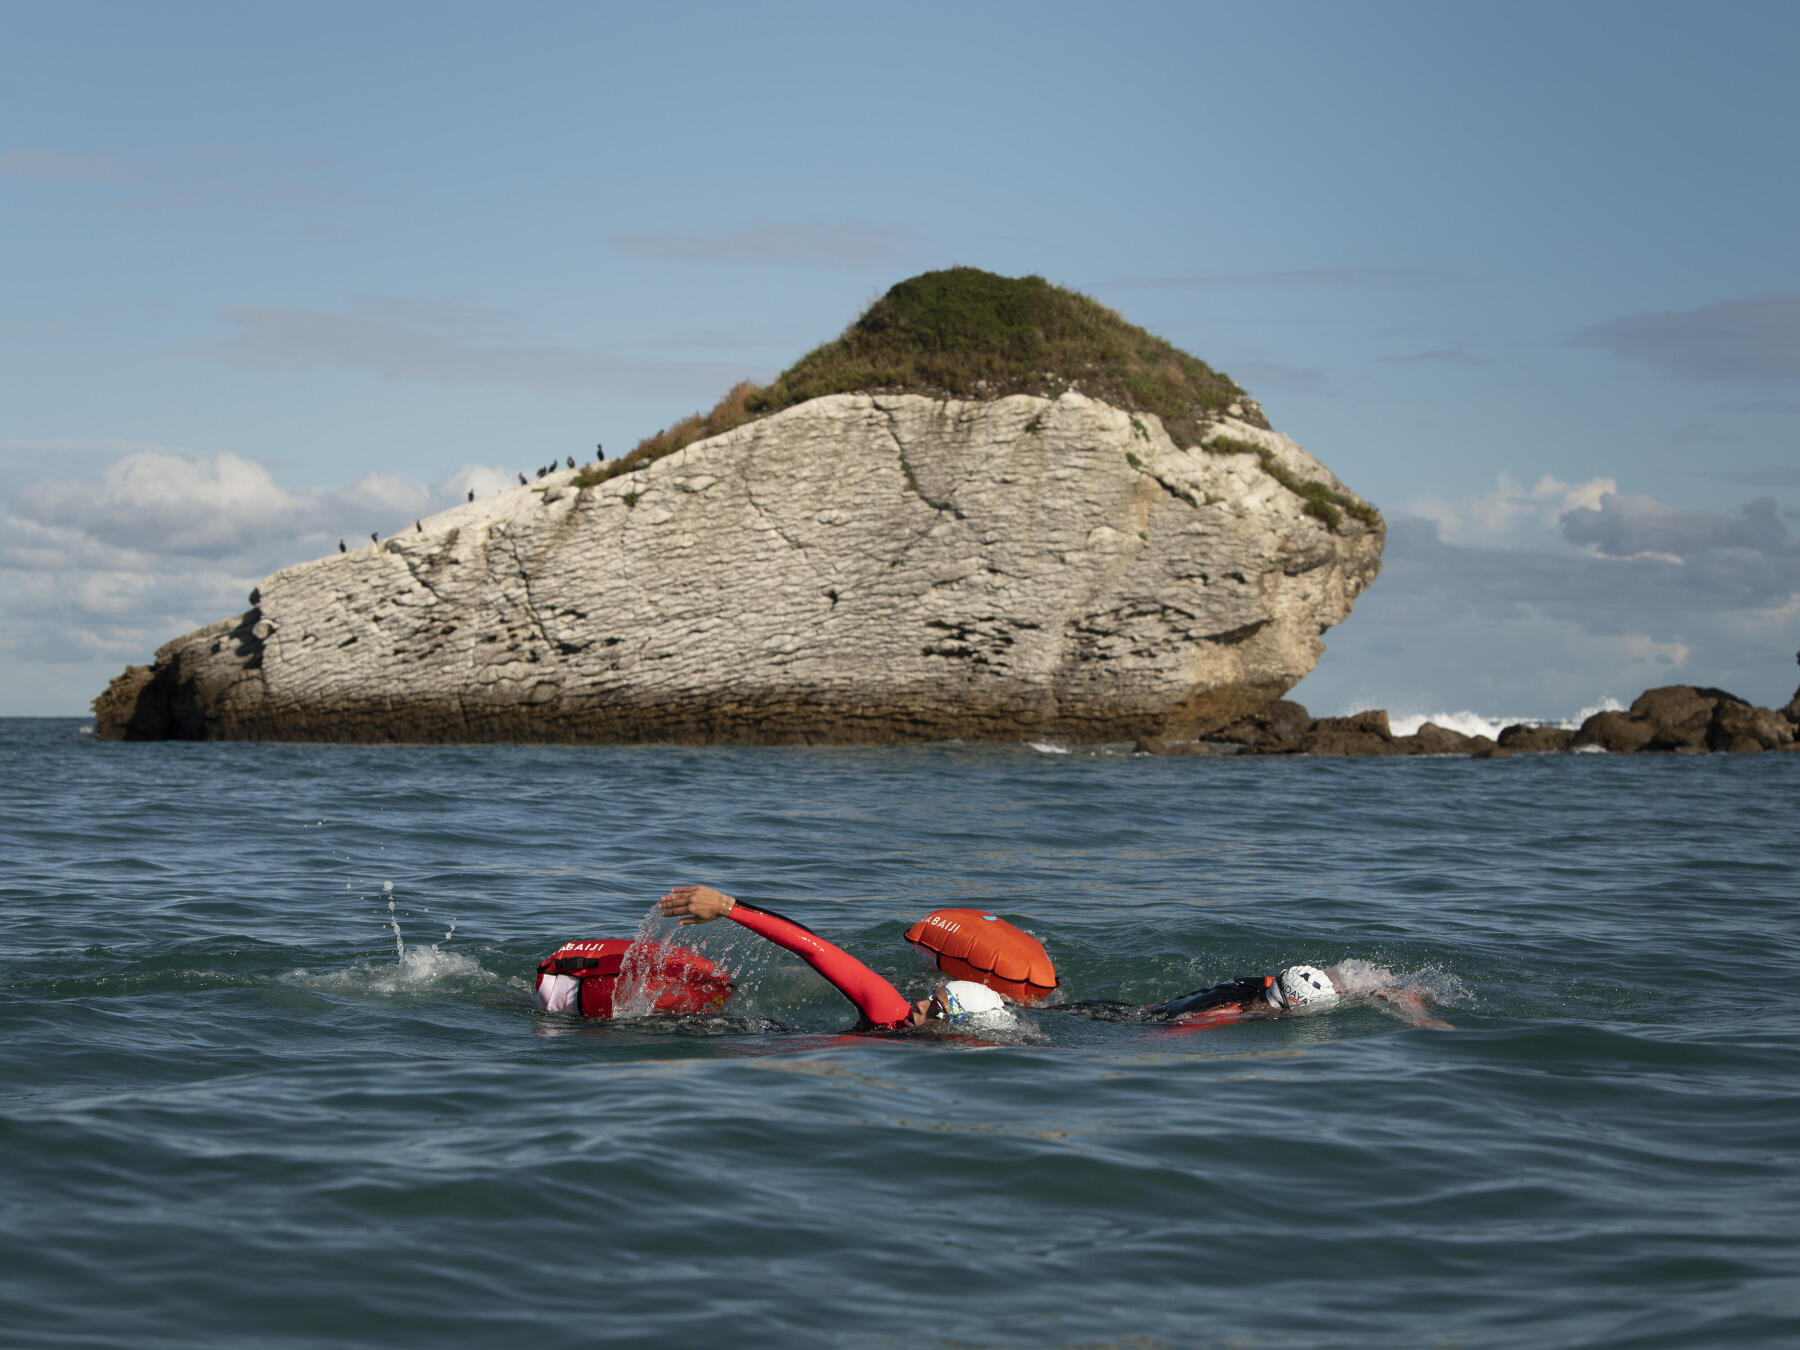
<point x="1409" y="995"/>
<point x="416" y="968"/>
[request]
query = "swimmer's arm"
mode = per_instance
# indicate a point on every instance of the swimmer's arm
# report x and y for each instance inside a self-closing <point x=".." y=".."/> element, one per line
<point x="1409" y="1007"/>
<point x="877" y="1000"/>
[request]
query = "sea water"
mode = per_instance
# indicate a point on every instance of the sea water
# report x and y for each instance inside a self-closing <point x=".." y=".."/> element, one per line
<point x="271" y="1072"/>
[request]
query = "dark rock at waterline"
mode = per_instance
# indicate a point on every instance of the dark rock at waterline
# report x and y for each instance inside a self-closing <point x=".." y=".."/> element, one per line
<point x="1677" y="719"/>
<point x="1286" y="728"/>
<point x="1272" y="729"/>
<point x="1156" y="745"/>
<point x="1527" y="739"/>
<point x="1681" y="715"/>
<point x="1615" y="732"/>
<point x="1739" y="727"/>
<point x="1363" y="733"/>
<point x="1431" y="739"/>
<point x="1674" y="719"/>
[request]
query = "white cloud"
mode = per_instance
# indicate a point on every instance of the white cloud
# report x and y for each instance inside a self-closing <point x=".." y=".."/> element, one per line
<point x="205" y="506"/>
<point x="1538" y="602"/>
<point x="105" y="569"/>
<point x="1510" y="515"/>
<point x="1633" y="526"/>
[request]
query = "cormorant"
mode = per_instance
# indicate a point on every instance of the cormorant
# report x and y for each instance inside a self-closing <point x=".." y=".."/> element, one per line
<point x="599" y="451"/>
<point x="374" y="538"/>
<point x="570" y="459"/>
<point x="419" y="525"/>
<point x="471" y="494"/>
<point x="523" y="480"/>
<point x="341" y="548"/>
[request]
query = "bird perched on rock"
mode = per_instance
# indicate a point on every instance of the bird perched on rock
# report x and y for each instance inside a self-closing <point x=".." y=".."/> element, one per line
<point x="570" y="459"/>
<point x="471" y="494"/>
<point x="374" y="538"/>
<point x="255" y="595"/>
<point x="542" y="472"/>
<point x="599" y="451"/>
<point x="341" y="548"/>
<point x="419" y="525"/>
<point x="523" y="480"/>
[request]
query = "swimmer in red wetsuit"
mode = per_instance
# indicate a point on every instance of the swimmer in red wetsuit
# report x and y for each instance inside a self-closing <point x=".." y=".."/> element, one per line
<point x="880" y="1004"/>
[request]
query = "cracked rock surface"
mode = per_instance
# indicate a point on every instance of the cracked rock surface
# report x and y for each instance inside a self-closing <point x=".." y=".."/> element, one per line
<point x="859" y="568"/>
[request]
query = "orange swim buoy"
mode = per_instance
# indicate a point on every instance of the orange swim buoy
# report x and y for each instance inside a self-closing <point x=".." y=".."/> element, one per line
<point x="971" y="944"/>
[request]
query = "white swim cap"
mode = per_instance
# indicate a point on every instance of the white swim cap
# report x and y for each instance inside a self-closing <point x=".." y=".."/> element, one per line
<point x="966" y="1001"/>
<point x="1305" y="987"/>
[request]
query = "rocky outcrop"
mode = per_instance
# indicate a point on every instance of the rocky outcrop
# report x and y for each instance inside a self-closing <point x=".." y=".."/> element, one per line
<point x="1682" y="719"/>
<point x="1677" y="719"/>
<point x="1791" y="713"/>
<point x="1535" y="740"/>
<point x="1286" y="728"/>
<point x="856" y="568"/>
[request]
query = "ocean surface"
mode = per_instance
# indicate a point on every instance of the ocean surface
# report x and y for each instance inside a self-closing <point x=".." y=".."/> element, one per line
<point x="271" y="1073"/>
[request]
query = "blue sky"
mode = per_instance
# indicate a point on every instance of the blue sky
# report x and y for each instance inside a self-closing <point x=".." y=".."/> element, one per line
<point x="1524" y="275"/>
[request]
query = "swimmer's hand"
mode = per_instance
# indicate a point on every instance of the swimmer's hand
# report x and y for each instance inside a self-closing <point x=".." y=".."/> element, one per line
<point x="695" y="904"/>
<point x="1409" y="1007"/>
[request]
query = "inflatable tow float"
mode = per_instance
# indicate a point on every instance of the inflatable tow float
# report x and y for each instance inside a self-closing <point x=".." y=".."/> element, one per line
<point x="582" y="978"/>
<point x="971" y="944"/>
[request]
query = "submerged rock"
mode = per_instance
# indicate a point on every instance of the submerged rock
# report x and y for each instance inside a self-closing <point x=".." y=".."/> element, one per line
<point x="858" y="567"/>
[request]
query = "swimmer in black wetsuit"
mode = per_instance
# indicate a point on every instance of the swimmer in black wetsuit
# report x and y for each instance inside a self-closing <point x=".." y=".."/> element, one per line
<point x="1296" y="989"/>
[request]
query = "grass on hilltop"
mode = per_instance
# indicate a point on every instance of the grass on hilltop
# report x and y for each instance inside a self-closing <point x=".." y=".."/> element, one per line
<point x="965" y="333"/>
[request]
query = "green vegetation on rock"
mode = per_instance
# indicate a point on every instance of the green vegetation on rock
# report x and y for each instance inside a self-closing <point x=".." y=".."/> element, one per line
<point x="965" y="333"/>
<point x="1323" y="501"/>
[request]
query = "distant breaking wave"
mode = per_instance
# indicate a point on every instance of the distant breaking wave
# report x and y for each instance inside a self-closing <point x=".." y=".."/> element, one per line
<point x="1479" y="724"/>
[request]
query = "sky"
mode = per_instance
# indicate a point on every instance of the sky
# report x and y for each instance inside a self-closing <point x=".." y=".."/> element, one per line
<point x="1523" y="275"/>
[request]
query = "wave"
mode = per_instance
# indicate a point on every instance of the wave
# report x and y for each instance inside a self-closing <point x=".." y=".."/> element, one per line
<point x="1482" y="724"/>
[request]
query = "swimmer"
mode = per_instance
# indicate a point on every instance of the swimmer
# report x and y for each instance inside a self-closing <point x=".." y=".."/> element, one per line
<point x="879" y="1004"/>
<point x="1296" y="989"/>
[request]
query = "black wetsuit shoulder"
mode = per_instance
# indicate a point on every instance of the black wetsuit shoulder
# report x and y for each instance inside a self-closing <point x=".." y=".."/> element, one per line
<point x="1104" y="1010"/>
<point x="1244" y="992"/>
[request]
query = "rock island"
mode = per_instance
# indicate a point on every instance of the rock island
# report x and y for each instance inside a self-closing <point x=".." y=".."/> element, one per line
<point x="992" y="509"/>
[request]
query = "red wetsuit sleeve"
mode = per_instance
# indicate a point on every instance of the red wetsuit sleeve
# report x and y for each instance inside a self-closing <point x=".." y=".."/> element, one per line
<point x="877" y="1000"/>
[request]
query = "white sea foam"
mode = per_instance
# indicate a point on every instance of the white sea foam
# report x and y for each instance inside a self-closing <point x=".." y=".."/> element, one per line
<point x="1482" y="724"/>
<point x="1048" y="747"/>
<point x="420" y="969"/>
<point x="415" y="969"/>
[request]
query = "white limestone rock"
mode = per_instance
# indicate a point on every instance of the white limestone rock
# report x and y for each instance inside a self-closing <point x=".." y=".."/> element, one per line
<point x="855" y="568"/>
